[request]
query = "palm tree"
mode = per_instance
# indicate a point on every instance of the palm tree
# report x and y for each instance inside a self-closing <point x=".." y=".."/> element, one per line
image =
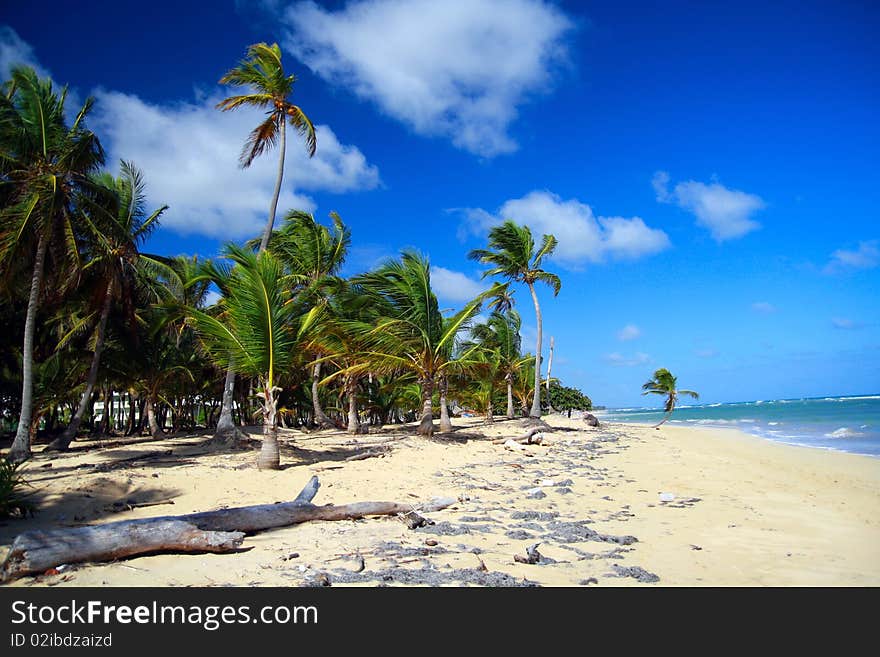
<point x="256" y="334"/>
<point x="263" y="72"/>
<point x="312" y="255"/>
<point x="663" y="383"/>
<point x="501" y="334"/>
<point x="120" y="224"/>
<point x="44" y="166"/>
<point x="512" y="255"/>
<point x="409" y="333"/>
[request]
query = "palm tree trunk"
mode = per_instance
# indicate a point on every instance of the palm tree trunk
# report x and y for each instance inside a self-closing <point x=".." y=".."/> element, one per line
<point x="510" y="413"/>
<point x="63" y="441"/>
<point x="226" y="428"/>
<point x="549" y="367"/>
<point x="321" y="418"/>
<point x="155" y="429"/>
<point x="445" y="422"/>
<point x="269" y="458"/>
<point x="267" y="233"/>
<point x="663" y="421"/>
<point x="351" y="391"/>
<point x="426" y="424"/>
<point x="21" y="446"/>
<point x="536" y="402"/>
<point x="490" y="412"/>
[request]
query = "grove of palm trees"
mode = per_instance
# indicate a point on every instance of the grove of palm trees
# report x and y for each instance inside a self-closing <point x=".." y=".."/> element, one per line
<point x="102" y="338"/>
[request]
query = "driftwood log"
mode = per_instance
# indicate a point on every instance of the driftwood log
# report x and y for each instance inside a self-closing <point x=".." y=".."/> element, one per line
<point x="222" y="530"/>
<point x="528" y="438"/>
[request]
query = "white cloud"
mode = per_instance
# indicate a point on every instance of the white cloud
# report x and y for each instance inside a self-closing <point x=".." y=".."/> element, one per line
<point x="763" y="307"/>
<point x="726" y="213"/>
<point x="628" y="332"/>
<point x="867" y="256"/>
<point x="452" y="285"/>
<point x="457" y="69"/>
<point x="16" y="52"/>
<point x="582" y="236"/>
<point x="846" y="324"/>
<point x="189" y="155"/>
<point x="619" y="360"/>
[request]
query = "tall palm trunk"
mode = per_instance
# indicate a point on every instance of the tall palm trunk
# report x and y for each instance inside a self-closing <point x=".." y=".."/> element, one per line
<point x="445" y="422"/>
<point x="663" y="421"/>
<point x="536" y="402"/>
<point x="267" y="233"/>
<point x="226" y="428"/>
<point x="351" y="391"/>
<point x="510" y="413"/>
<point x="153" y="423"/>
<point x="321" y="418"/>
<point x="63" y="441"/>
<point x="21" y="446"/>
<point x="269" y="458"/>
<point x="426" y="424"/>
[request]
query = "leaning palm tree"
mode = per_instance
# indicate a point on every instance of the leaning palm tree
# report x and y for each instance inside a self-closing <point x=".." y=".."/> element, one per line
<point x="256" y="334"/>
<point x="44" y="167"/>
<point x="663" y="383"/>
<point x="120" y="224"/>
<point x="512" y="255"/>
<point x="408" y="332"/>
<point x="264" y="74"/>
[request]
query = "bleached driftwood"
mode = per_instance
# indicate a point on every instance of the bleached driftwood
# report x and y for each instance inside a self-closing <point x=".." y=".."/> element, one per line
<point x="222" y="530"/>
<point x="530" y="437"/>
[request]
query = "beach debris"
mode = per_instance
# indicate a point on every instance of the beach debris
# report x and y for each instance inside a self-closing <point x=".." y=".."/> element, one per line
<point x="370" y="453"/>
<point x="695" y="547"/>
<point x="292" y="555"/>
<point x="588" y="581"/>
<point x="413" y="520"/>
<point x="532" y="556"/>
<point x="667" y="497"/>
<point x="221" y="530"/>
<point x="591" y="420"/>
<point x="534" y="436"/>
<point x="536" y="494"/>
<point x="431" y="542"/>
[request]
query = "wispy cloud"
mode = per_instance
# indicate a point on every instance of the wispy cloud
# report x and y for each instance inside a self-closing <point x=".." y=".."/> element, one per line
<point x="16" y="52"/>
<point x="583" y="237"/>
<point x="726" y="213"/>
<point x="763" y="307"/>
<point x="619" y="360"/>
<point x="452" y="285"/>
<point x="629" y="332"/>
<point x="866" y="256"/>
<point x="189" y="151"/>
<point x="458" y="69"/>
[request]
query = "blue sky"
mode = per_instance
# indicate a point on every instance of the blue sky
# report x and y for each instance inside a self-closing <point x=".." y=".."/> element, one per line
<point x="710" y="169"/>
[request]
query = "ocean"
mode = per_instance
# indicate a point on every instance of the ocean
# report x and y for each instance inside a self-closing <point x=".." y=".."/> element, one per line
<point x="846" y="424"/>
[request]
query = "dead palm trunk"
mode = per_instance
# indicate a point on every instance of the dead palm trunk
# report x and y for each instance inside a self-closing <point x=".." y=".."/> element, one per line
<point x="535" y="412"/>
<point x="321" y="418"/>
<point x="426" y="424"/>
<point x="21" y="446"/>
<point x="63" y="441"/>
<point x="549" y="367"/>
<point x="269" y="458"/>
<point x="445" y="422"/>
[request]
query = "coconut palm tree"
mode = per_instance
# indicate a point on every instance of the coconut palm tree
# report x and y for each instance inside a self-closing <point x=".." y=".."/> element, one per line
<point x="512" y="255"/>
<point x="257" y="332"/>
<point x="408" y="332"/>
<point x="501" y="334"/>
<point x="271" y="87"/>
<point x="663" y="383"/>
<point x="44" y="167"/>
<point x="120" y="224"/>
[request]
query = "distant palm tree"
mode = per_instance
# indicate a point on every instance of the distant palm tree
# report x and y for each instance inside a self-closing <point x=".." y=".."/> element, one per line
<point x="663" y="383"/>
<point x="408" y="332"/>
<point x="501" y="333"/>
<point x="263" y="72"/>
<point x="44" y="167"/>
<point x="512" y="255"/>
<point x="257" y="332"/>
<point x="122" y="224"/>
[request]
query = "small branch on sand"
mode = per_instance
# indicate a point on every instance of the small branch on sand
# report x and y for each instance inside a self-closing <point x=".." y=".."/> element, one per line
<point x="222" y="530"/>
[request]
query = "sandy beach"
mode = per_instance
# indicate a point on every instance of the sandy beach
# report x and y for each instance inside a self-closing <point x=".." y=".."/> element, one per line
<point x="622" y="505"/>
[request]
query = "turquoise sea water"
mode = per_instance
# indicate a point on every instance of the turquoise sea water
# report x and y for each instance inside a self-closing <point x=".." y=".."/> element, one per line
<point x="846" y="424"/>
